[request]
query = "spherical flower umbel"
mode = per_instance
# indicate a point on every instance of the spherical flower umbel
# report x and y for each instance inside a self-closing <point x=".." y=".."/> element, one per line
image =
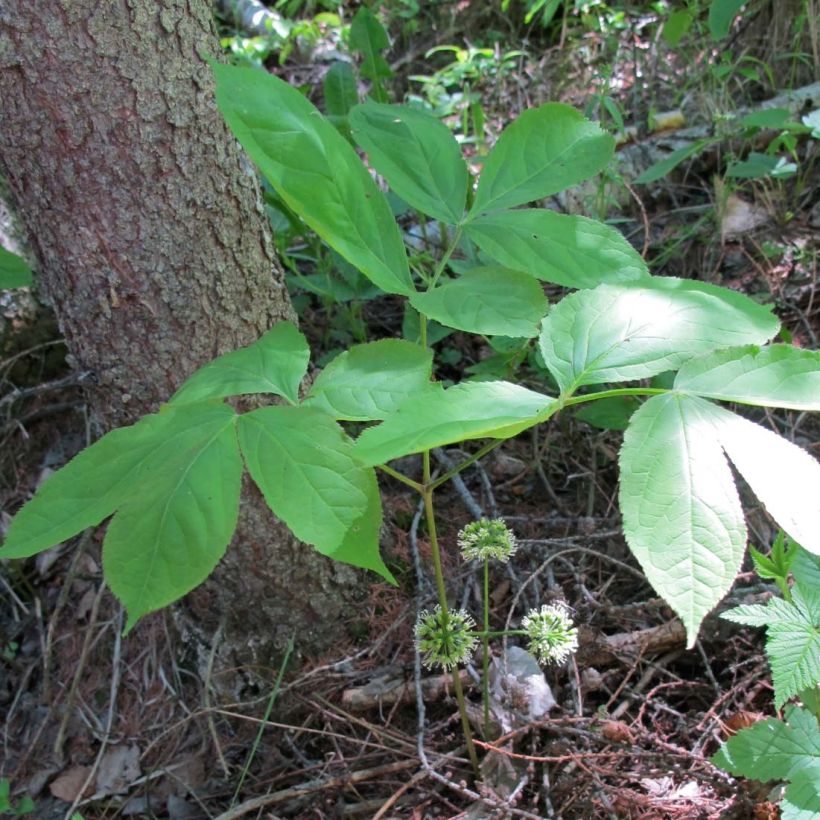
<point x="487" y="538"/>
<point x="552" y="636"/>
<point x="445" y="641"/>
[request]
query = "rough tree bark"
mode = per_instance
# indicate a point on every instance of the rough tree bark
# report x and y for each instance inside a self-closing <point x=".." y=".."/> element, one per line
<point x="155" y="254"/>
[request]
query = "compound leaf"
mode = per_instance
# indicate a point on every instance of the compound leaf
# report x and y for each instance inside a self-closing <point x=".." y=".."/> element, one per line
<point x="773" y="376"/>
<point x="781" y="474"/>
<point x="801" y="800"/>
<point x="418" y="156"/>
<point x="634" y="330"/>
<point x="303" y="463"/>
<point x="772" y="749"/>
<point x="14" y="271"/>
<point x="569" y="250"/>
<point x="542" y="152"/>
<point x="100" y="478"/>
<point x="465" y="411"/>
<point x="681" y="512"/>
<point x="371" y="381"/>
<point x="493" y="301"/>
<point x="275" y="363"/>
<point x="168" y="536"/>
<point x="315" y="171"/>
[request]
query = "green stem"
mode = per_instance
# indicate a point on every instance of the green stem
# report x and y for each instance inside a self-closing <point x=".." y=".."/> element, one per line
<point x="427" y="495"/>
<point x="606" y="394"/>
<point x="500" y="634"/>
<point x="446" y="258"/>
<point x="401" y="477"/>
<point x="480" y="453"/>
<point x="485" y="646"/>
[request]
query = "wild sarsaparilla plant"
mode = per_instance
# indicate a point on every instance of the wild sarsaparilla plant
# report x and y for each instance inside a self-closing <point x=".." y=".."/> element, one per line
<point x="172" y="480"/>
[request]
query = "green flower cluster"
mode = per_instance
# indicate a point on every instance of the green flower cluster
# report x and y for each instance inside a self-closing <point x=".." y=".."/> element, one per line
<point x="487" y="538"/>
<point x="553" y="638"/>
<point x="445" y="639"/>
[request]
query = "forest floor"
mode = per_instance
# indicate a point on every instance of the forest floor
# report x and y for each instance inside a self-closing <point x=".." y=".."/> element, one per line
<point x="112" y="727"/>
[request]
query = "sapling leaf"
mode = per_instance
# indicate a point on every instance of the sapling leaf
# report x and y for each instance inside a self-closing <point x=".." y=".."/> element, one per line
<point x="637" y="329"/>
<point x="748" y="615"/>
<point x="438" y="417"/>
<point x="368" y="38"/>
<point x="315" y="171"/>
<point x="14" y="271"/>
<point x="542" y="152"/>
<point x="681" y="513"/>
<point x="773" y="749"/>
<point x="611" y="413"/>
<point x="418" y="156"/>
<point x="721" y="16"/>
<point x="801" y="800"/>
<point x="777" y="375"/>
<point x="340" y="89"/>
<point x="781" y="474"/>
<point x="275" y="363"/>
<point x="806" y="570"/>
<point x="370" y="381"/>
<point x="303" y="463"/>
<point x="569" y="250"/>
<point x="493" y="301"/>
<point x="100" y="478"/>
<point x="169" y="534"/>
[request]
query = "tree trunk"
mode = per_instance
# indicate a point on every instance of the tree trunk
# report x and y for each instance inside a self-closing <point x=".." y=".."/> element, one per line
<point x="155" y="253"/>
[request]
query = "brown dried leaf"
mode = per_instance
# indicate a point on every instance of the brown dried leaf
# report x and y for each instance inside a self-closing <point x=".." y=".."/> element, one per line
<point x="67" y="786"/>
<point x="617" y="731"/>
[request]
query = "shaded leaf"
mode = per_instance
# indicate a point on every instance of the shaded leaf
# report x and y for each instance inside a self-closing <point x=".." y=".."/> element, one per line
<point x="681" y="513"/>
<point x="465" y="411"/>
<point x="569" y="250"/>
<point x="368" y="38"/>
<point x="722" y="14"/>
<point x="611" y="413"/>
<point x="545" y="150"/>
<point x="340" y="89"/>
<point x="801" y="800"/>
<point x="14" y="271"/>
<point x="418" y="156"/>
<point x="637" y="329"/>
<point x="371" y="381"/>
<point x="275" y="363"/>
<point x="167" y="537"/>
<point x="315" y="171"/>
<point x="493" y="301"/>
<point x="668" y="164"/>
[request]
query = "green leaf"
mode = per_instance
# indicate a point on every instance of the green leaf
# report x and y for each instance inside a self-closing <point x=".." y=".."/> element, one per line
<point x="722" y="14"/>
<point x="681" y="512"/>
<point x="371" y="381"/>
<point x="677" y="24"/>
<point x="14" y="271"/>
<point x="417" y="155"/>
<point x="368" y="38"/>
<point x="801" y="800"/>
<point x="781" y="474"/>
<point x="98" y="480"/>
<point x="793" y="643"/>
<point x="542" y="152"/>
<point x="748" y="615"/>
<point x="171" y="532"/>
<point x="303" y="463"/>
<point x="315" y="171"/>
<point x="276" y="363"/>
<point x="493" y="301"/>
<point x="340" y="89"/>
<point x="767" y="118"/>
<point x="774" y="376"/>
<point x="668" y="164"/>
<point x="773" y="749"/>
<point x="569" y="250"/>
<point x="757" y="166"/>
<point x="611" y="413"/>
<point x="806" y="570"/>
<point x="637" y="329"/>
<point x="465" y="411"/>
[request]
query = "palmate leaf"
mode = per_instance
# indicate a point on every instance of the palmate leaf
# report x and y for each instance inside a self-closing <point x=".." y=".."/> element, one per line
<point x="635" y="330"/>
<point x="14" y="271"/>
<point x="781" y="474"/>
<point x="303" y="463"/>
<point x="569" y="250"/>
<point x="275" y="363"/>
<point x="98" y="480"/>
<point x="465" y="411"/>
<point x="315" y="171"/>
<point x="371" y="381"/>
<point x="773" y="749"/>
<point x="168" y="536"/>
<point x="418" y="156"/>
<point x="793" y="643"/>
<point x="773" y="376"/>
<point x="681" y="512"/>
<point x="493" y="301"/>
<point x="542" y="152"/>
